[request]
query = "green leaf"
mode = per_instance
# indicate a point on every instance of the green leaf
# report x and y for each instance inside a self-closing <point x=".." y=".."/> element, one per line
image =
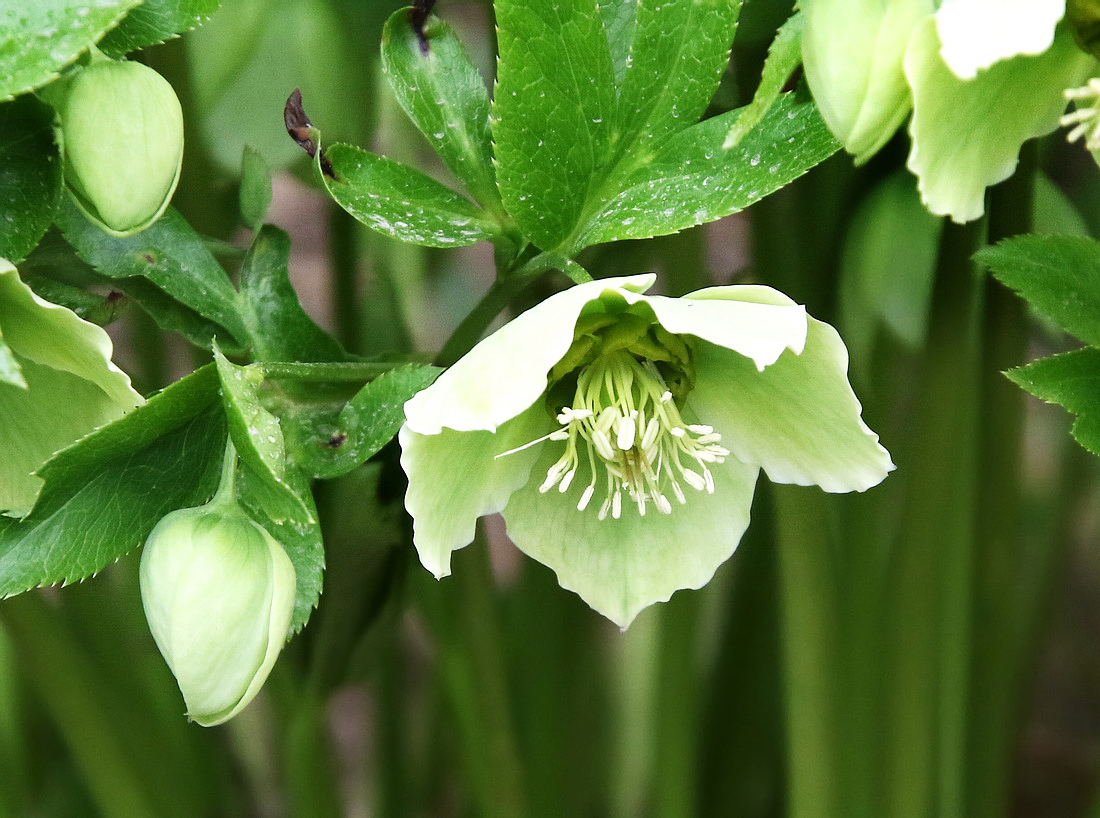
<point x="255" y="193"/>
<point x="10" y="370"/>
<point x="93" y="307"/>
<point x="30" y="176"/>
<point x="97" y="503"/>
<point x="680" y="49"/>
<point x="619" y="19"/>
<point x="171" y="315"/>
<point x="443" y="94"/>
<point x="1059" y="275"/>
<point x="279" y="327"/>
<point x="365" y="424"/>
<point x="693" y="179"/>
<point x="1072" y="380"/>
<point x="40" y="37"/>
<point x="403" y="203"/>
<point x="784" y="56"/>
<point x="553" y="112"/>
<point x="275" y="494"/>
<point x="155" y="21"/>
<point x="170" y="255"/>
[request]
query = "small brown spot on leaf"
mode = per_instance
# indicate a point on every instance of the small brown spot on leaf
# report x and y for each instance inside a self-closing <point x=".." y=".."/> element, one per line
<point x="336" y="441"/>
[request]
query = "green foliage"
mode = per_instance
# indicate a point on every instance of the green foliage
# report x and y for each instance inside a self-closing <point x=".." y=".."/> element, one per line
<point x="96" y="504"/>
<point x="40" y="38"/>
<point x="403" y="203"/>
<point x="1060" y="277"/>
<point x="169" y="255"/>
<point x="255" y="195"/>
<point x="155" y="21"/>
<point x="30" y="176"/>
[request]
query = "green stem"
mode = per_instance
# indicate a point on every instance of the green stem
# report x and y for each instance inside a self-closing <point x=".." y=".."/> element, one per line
<point x="356" y="372"/>
<point x="463" y="619"/>
<point x="345" y="279"/>
<point x="226" y="495"/>
<point x="80" y="704"/>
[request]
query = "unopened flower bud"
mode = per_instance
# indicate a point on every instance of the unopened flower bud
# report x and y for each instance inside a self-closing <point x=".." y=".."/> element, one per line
<point x="852" y="51"/>
<point x="122" y="136"/>
<point x="218" y="592"/>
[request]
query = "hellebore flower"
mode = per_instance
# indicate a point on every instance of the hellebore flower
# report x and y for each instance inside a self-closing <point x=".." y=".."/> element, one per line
<point x="983" y="77"/>
<point x="218" y="592"/>
<point x="121" y="131"/>
<point x="621" y="434"/>
<point x="57" y="384"/>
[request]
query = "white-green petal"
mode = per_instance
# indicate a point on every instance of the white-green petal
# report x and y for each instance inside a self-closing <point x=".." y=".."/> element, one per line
<point x="975" y="34"/>
<point x="798" y="419"/>
<point x="507" y="372"/>
<point x="456" y="477"/>
<point x="621" y="566"/>
<point x="853" y="50"/>
<point x="966" y="135"/>
<point x="760" y="331"/>
<point x="70" y="386"/>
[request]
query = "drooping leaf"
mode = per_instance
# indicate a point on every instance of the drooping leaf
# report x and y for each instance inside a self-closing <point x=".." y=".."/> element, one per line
<point x="1072" y="380"/>
<point x="275" y="493"/>
<point x="96" y="504"/>
<point x="364" y="425"/>
<point x="38" y="38"/>
<point x="155" y="21"/>
<point x="255" y="195"/>
<point x="693" y="179"/>
<point x="1059" y="275"/>
<point x="445" y="97"/>
<point x="30" y="176"/>
<point x="170" y="255"/>
<point x="403" y="203"/>
<point x="553" y="113"/>
<point x="680" y="49"/>
<point x="279" y="327"/>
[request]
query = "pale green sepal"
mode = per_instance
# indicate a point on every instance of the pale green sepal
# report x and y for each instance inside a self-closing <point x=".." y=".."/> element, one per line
<point x="10" y="371"/>
<point x="71" y="386"/>
<point x="798" y="419"/>
<point x="621" y="566"/>
<point x="976" y="34"/>
<point x="507" y="372"/>
<point x="852" y="51"/>
<point x="966" y="134"/>
<point x="456" y="477"/>
<point x="761" y="331"/>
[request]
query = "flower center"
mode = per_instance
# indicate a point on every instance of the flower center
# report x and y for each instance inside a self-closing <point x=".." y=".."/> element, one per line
<point x="1085" y="118"/>
<point x="624" y="433"/>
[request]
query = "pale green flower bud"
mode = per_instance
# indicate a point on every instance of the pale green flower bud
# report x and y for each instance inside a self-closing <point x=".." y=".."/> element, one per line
<point x="122" y="136"/>
<point x="218" y="592"/>
<point x="852" y="51"/>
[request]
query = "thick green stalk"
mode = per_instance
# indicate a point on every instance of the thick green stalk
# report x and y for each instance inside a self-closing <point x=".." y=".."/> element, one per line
<point x="462" y="617"/>
<point x="928" y="608"/>
<point x="81" y="705"/>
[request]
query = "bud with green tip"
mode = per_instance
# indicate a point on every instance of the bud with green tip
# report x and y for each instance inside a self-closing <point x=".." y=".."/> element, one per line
<point x="218" y="592"/>
<point x="122" y="135"/>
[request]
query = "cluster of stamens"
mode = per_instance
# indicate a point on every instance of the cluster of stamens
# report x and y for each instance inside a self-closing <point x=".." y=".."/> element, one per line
<point x="624" y="432"/>
<point x="1085" y="119"/>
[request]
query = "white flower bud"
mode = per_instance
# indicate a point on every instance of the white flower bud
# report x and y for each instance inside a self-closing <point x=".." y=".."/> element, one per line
<point x="218" y="592"/>
<point x="122" y="136"/>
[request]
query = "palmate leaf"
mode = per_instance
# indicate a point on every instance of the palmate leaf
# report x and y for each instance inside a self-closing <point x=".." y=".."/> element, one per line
<point x="694" y="179"/>
<point x="168" y="254"/>
<point x="96" y="503"/>
<point x="403" y="203"/>
<point x="155" y="21"/>
<point x="38" y="38"/>
<point x="30" y="176"/>
<point x="1059" y="275"/>
<point x="443" y="94"/>
<point x="1072" y="380"/>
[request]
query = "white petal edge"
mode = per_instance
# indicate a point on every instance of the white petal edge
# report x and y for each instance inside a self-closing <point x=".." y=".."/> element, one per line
<point x="975" y="34"/>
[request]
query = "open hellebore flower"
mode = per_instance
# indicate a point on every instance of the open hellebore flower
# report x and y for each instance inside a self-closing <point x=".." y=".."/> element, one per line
<point x="621" y="434"/>
<point x="218" y="592"/>
<point x="57" y="384"/>
<point x="983" y="77"/>
<point x="121" y="130"/>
